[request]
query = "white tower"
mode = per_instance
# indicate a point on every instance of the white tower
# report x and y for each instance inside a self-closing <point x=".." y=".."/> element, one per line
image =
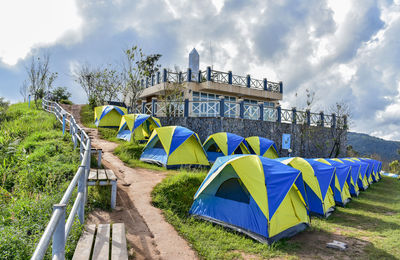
<point x="194" y="63"/>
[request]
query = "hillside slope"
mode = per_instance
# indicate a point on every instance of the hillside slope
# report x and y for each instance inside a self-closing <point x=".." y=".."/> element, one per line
<point x="367" y="145"/>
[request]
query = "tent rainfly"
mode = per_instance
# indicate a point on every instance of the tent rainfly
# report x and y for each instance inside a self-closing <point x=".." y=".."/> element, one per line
<point x="137" y="127"/>
<point x="174" y="147"/>
<point x="262" y="146"/>
<point x="253" y="195"/>
<point x="355" y="175"/>
<point x="363" y="183"/>
<point x="108" y="116"/>
<point x="223" y="143"/>
<point x="342" y="177"/>
<point x="319" y="184"/>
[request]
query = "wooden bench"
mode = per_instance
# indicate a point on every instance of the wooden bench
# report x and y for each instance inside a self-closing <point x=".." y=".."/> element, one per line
<point x="102" y="242"/>
<point x="104" y="177"/>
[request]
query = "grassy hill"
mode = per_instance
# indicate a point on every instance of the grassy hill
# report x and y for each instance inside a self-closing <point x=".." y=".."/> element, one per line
<point x="367" y="145"/>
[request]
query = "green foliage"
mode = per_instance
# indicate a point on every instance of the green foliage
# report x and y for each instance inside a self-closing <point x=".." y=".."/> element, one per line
<point x="36" y="164"/>
<point x="394" y="166"/>
<point x="60" y="93"/>
<point x="372" y="220"/>
<point x="87" y="116"/>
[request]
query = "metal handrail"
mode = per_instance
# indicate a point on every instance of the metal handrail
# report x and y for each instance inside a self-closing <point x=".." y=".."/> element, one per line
<point x="58" y="229"/>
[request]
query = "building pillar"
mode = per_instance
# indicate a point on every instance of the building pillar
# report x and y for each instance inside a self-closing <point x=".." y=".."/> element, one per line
<point x="186" y="108"/>
<point x="265" y="84"/>
<point x="199" y="79"/>
<point x="158" y="77"/>
<point x="261" y="108"/>
<point x="294" y="119"/>
<point x="208" y="73"/>
<point x="278" y="114"/>
<point x="153" y="106"/>
<point x="165" y="75"/>
<point x="241" y="108"/>
<point x="280" y="87"/>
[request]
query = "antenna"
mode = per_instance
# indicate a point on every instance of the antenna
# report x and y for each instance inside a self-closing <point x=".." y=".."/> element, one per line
<point x="211" y="54"/>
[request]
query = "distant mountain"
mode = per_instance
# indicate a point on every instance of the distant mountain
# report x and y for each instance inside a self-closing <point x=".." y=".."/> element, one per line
<point x="366" y="145"/>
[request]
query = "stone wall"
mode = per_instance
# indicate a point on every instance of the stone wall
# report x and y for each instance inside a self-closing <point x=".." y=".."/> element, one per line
<point x="306" y="141"/>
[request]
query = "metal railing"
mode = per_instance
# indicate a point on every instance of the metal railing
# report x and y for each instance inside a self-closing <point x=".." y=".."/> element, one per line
<point x="59" y="226"/>
<point x="211" y="75"/>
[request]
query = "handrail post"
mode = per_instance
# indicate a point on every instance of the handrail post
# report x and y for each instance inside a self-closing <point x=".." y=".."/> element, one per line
<point x="158" y="77"/>
<point x="278" y="114"/>
<point x="230" y="77"/>
<point x="59" y="234"/>
<point x="152" y="79"/>
<point x="63" y="120"/>
<point x="186" y="108"/>
<point x="165" y="75"/>
<point x="87" y="171"/>
<point x="321" y="114"/>
<point x="280" y="87"/>
<point x="248" y="81"/>
<point x="99" y="158"/>
<point x="265" y="83"/>
<point x="189" y="75"/>
<point x="153" y="106"/>
<point x="294" y="119"/>
<point x="81" y="146"/>
<point x="208" y="73"/>
<point x="333" y="120"/>
<point x="199" y="79"/>
<point x="81" y="188"/>
<point x="261" y="108"/>
<point x="221" y="106"/>
<point x="308" y="114"/>
<point x="74" y="133"/>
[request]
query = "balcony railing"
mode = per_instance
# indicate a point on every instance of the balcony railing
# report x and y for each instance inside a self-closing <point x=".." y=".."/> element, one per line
<point x="212" y="76"/>
<point x="240" y="109"/>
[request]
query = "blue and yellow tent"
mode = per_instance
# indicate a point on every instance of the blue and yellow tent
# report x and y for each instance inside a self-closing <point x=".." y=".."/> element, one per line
<point x="108" y="116"/>
<point x="262" y="146"/>
<point x="370" y="171"/>
<point x="374" y="166"/>
<point x="363" y="182"/>
<point x="379" y="169"/>
<point x="137" y="127"/>
<point x="342" y="177"/>
<point x="223" y="143"/>
<point x="319" y="184"/>
<point x="253" y="195"/>
<point x="173" y="147"/>
<point x="355" y="175"/>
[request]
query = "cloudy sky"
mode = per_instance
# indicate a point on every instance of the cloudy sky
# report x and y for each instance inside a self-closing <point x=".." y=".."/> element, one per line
<point x="342" y="50"/>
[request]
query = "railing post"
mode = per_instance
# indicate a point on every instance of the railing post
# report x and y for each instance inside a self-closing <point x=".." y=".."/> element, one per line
<point x="241" y="108"/>
<point x="278" y="114"/>
<point x="261" y="108"/>
<point x="333" y="120"/>
<point x="189" y="75"/>
<point x="29" y="101"/>
<point x="208" y="73"/>
<point x="265" y="83"/>
<point x="308" y="114"/>
<point x="153" y="106"/>
<point x="321" y="114"/>
<point x="74" y="134"/>
<point x="180" y="77"/>
<point x="152" y="79"/>
<point x="165" y="75"/>
<point x="199" y="79"/>
<point x="186" y="107"/>
<point x="280" y="87"/>
<point x="142" y="83"/>
<point x="158" y="77"/>
<point x="294" y="119"/>
<point x="87" y="171"/>
<point x="248" y="81"/>
<point x="147" y="82"/>
<point x="81" y="188"/>
<point x="230" y="77"/>
<point x="221" y="106"/>
<point x="81" y="146"/>
<point x="58" y="250"/>
<point x="144" y="106"/>
<point x="63" y="122"/>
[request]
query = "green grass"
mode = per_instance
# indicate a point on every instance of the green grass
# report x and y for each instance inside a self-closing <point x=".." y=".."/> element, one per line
<point x="87" y="116"/>
<point x="37" y="163"/>
<point x="373" y="218"/>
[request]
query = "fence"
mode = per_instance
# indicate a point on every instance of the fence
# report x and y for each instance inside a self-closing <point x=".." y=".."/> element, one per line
<point x="212" y="76"/>
<point x="240" y="109"/>
<point x="58" y="227"/>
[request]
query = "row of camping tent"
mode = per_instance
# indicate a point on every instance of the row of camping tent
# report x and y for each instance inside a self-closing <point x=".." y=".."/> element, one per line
<point x="270" y="199"/>
<point x="175" y="146"/>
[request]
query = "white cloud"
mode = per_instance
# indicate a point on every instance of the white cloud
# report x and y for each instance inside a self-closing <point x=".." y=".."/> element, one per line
<point x="25" y="24"/>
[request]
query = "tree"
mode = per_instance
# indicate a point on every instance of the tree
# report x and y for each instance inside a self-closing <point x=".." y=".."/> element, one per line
<point x="342" y="112"/>
<point x="40" y="77"/>
<point x="136" y="67"/>
<point x="172" y="97"/>
<point x="86" y="77"/>
<point x="350" y="152"/>
<point x="23" y="90"/>
<point x="60" y="94"/>
<point x="394" y="166"/>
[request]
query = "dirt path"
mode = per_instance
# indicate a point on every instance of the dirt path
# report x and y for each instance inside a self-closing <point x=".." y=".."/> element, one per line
<point x="148" y="234"/>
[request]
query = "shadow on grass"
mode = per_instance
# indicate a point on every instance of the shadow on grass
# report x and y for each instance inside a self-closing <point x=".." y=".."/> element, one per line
<point x="312" y="244"/>
<point x="364" y="206"/>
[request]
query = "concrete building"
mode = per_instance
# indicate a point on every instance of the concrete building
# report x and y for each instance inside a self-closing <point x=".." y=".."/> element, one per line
<point x="212" y="85"/>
